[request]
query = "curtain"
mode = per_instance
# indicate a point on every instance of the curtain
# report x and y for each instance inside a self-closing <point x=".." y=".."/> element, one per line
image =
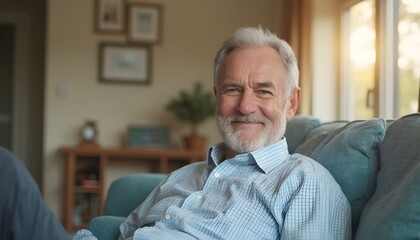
<point x="296" y="25"/>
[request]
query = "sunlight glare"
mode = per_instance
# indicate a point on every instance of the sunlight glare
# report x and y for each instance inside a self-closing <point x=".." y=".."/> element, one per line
<point x="362" y="52"/>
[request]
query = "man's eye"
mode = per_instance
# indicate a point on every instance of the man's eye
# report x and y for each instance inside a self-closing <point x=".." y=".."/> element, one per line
<point x="232" y="91"/>
<point x="264" y="93"/>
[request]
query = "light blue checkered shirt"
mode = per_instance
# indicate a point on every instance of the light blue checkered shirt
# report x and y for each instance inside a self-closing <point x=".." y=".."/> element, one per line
<point x="265" y="194"/>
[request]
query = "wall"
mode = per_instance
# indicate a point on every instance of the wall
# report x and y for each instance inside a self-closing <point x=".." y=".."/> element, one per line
<point x="326" y="61"/>
<point x="193" y="32"/>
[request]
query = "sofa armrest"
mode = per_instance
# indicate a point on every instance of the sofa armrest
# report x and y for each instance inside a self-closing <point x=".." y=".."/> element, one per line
<point x="106" y="227"/>
<point x="128" y="192"/>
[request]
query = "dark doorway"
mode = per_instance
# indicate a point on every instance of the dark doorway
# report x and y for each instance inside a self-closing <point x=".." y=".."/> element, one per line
<point x="7" y="39"/>
<point x="22" y="49"/>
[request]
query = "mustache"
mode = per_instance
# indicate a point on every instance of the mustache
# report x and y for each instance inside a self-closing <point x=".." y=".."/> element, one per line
<point x="225" y="124"/>
<point x="244" y="118"/>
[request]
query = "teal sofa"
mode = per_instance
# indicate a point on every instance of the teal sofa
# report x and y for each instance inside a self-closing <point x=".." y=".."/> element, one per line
<point x="376" y="163"/>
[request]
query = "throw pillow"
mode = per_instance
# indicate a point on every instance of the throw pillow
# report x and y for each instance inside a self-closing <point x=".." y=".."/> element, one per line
<point x="393" y="212"/>
<point x="350" y="152"/>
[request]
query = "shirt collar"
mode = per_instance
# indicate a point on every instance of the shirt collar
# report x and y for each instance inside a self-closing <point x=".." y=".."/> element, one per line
<point x="216" y="154"/>
<point x="266" y="158"/>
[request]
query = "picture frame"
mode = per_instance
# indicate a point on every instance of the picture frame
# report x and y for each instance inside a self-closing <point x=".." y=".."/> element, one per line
<point x="125" y="63"/>
<point x="110" y="16"/>
<point x="139" y="136"/>
<point x="144" y="22"/>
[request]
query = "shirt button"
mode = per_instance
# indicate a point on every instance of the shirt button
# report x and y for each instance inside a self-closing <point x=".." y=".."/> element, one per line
<point x="216" y="175"/>
<point x="167" y="217"/>
<point x="198" y="196"/>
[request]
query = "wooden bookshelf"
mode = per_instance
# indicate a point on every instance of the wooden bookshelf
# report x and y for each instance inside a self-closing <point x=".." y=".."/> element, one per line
<point x="85" y="175"/>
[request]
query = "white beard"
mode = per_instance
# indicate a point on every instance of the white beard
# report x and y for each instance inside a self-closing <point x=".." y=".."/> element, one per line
<point x="232" y="136"/>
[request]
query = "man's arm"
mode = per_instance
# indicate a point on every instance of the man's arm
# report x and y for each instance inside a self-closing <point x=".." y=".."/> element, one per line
<point x="318" y="209"/>
<point x="23" y="213"/>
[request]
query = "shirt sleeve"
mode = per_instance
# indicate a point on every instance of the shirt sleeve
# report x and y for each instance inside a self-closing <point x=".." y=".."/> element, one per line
<point x="317" y="208"/>
<point x="83" y="234"/>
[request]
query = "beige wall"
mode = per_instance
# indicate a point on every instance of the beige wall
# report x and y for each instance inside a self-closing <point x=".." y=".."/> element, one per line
<point x="193" y="31"/>
<point x="326" y="61"/>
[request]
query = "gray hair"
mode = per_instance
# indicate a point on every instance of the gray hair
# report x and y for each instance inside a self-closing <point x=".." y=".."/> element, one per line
<point x="256" y="36"/>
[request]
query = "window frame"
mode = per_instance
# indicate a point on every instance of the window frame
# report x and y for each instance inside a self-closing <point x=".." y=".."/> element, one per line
<point x="386" y="77"/>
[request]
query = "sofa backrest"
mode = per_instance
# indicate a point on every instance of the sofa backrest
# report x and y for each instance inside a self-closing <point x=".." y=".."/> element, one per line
<point x="127" y="192"/>
<point x="298" y="128"/>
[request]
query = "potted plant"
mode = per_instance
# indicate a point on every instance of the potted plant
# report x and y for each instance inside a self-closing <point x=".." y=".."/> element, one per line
<point x="193" y="107"/>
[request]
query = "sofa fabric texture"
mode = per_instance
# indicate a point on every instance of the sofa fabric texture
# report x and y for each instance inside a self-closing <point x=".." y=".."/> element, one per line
<point x="117" y="193"/>
<point x="375" y="162"/>
<point x="106" y="227"/>
<point x="298" y="129"/>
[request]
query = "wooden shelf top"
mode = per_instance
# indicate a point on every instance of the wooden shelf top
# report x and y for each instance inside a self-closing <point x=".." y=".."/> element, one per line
<point x="133" y="152"/>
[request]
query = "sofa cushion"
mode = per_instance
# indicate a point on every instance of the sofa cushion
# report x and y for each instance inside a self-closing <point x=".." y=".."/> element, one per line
<point x="393" y="212"/>
<point x="350" y="152"/>
<point x="298" y="128"/>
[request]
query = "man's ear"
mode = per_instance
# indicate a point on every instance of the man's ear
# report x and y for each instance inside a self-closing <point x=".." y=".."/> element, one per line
<point x="214" y="91"/>
<point x="294" y="101"/>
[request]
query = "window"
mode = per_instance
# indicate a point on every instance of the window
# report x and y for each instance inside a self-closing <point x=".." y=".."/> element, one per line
<point x="409" y="56"/>
<point x="359" y="63"/>
<point x="380" y="60"/>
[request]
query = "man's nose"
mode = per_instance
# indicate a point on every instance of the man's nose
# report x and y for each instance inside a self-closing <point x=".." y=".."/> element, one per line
<point x="247" y="103"/>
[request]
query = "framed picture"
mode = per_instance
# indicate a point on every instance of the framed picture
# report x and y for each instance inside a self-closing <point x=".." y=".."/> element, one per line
<point x="125" y="63"/>
<point x="110" y="16"/>
<point x="144" y="22"/>
<point x="148" y="136"/>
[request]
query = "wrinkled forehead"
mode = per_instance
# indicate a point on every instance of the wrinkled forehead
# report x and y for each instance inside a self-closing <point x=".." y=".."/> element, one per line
<point x="260" y="64"/>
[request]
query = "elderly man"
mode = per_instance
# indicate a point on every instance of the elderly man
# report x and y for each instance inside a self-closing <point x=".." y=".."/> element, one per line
<point x="250" y="187"/>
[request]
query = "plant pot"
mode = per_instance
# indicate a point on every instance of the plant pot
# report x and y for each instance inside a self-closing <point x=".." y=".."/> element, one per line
<point x="195" y="143"/>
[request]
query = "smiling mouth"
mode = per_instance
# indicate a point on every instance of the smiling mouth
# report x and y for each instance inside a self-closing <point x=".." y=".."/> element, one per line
<point x="241" y="123"/>
<point x="245" y="121"/>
